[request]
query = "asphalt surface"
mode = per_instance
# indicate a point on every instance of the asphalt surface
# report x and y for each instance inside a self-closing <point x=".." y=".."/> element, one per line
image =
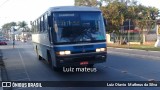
<point x="1" y="66"/>
<point x="22" y="64"/>
<point x="135" y="52"/>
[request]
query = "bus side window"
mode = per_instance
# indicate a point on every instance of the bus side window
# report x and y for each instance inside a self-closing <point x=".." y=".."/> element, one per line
<point x="49" y="21"/>
<point x="45" y="23"/>
<point x="36" y="28"/>
<point x="50" y="28"/>
<point x="41" y="23"/>
<point x="39" y="29"/>
<point x="33" y="27"/>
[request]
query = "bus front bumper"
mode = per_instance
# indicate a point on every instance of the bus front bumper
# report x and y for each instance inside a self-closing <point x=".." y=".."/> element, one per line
<point x="78" y="59"/>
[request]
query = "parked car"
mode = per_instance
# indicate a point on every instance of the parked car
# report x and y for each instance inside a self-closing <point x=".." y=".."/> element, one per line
<point x="2" y="42"/>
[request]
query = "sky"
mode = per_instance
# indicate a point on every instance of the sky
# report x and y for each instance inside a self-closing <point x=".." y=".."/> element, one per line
<point x="29" y="10"/>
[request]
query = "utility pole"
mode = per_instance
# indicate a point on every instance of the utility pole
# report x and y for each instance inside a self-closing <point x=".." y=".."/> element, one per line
<point x="129" y="33"/>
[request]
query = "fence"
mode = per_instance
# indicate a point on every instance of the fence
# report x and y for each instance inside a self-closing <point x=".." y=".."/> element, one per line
<point x="132" y="37"/>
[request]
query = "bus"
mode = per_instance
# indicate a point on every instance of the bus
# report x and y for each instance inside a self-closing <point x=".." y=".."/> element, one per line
<point x="70" y="36"/>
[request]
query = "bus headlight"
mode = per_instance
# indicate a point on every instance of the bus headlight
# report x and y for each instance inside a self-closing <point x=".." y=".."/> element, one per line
<point x="64" y="52"/>
<point x="61" y="53"/>
<point x="67" y="52"/>
<point x="100" y="49"/>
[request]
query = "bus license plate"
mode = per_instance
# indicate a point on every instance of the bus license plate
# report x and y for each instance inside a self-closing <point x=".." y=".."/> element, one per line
<point x="84" y="63"/>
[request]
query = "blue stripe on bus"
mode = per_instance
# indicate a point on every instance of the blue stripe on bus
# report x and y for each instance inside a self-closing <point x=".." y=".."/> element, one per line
<point x="79" y="48"/>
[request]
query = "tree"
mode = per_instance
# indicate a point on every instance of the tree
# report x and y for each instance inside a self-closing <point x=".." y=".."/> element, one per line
<point x="23" y="25"/>
<point x="86" y="3"/>
<point x="146" y="20"/>
<point x="7" y="27"/>
<point x="118" y="11"/>
<point x="114" y="13"/>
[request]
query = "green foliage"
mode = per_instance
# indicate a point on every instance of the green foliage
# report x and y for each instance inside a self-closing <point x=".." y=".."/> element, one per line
<point x="117" y="12"/>
<point x="8" y="26"/>
<point x="86" y="3"/>
<point x="23" y="25"/>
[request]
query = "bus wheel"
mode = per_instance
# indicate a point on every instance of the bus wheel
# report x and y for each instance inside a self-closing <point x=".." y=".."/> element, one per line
<point x="50" y="62"/>
<point x="49" y="59"/>
<point x="39" y="57"/>
<point x="37" y="52"/>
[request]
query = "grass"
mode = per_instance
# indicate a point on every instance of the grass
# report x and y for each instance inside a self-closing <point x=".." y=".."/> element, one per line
<point x="140" y="47"/>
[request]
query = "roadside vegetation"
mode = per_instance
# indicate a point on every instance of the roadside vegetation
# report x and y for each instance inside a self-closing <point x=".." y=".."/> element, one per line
<point x="21" y="24"/>
<point x="119" y="12"/>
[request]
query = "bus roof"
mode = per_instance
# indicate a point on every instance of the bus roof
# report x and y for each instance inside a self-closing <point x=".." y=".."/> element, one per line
<point x="73" y="8"/>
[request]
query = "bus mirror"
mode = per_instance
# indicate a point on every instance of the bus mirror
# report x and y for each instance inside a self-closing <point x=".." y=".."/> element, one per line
<point x="105" y="22"/>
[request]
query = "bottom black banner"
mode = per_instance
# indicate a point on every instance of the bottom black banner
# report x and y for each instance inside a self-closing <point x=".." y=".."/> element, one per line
<point x="80" y="84"/>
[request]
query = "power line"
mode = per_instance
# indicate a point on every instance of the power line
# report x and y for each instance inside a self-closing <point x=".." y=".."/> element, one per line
<point x="4" y="3"/>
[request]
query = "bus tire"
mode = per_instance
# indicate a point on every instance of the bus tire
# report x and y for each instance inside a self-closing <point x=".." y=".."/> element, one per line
<point x="49" y="59"/>
<point x="39" y="57"/>
<point x="37" y="51"/>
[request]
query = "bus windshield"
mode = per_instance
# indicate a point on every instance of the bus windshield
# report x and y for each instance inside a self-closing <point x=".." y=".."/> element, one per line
<point x="78" y="27"/>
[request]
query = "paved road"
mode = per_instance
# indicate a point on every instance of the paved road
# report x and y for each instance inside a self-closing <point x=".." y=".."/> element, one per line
<point x="22" y="65"/>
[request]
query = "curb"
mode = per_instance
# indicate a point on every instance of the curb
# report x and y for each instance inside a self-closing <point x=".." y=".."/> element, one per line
<point x="1" y="68"/>
<point x="133" y="49"/>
